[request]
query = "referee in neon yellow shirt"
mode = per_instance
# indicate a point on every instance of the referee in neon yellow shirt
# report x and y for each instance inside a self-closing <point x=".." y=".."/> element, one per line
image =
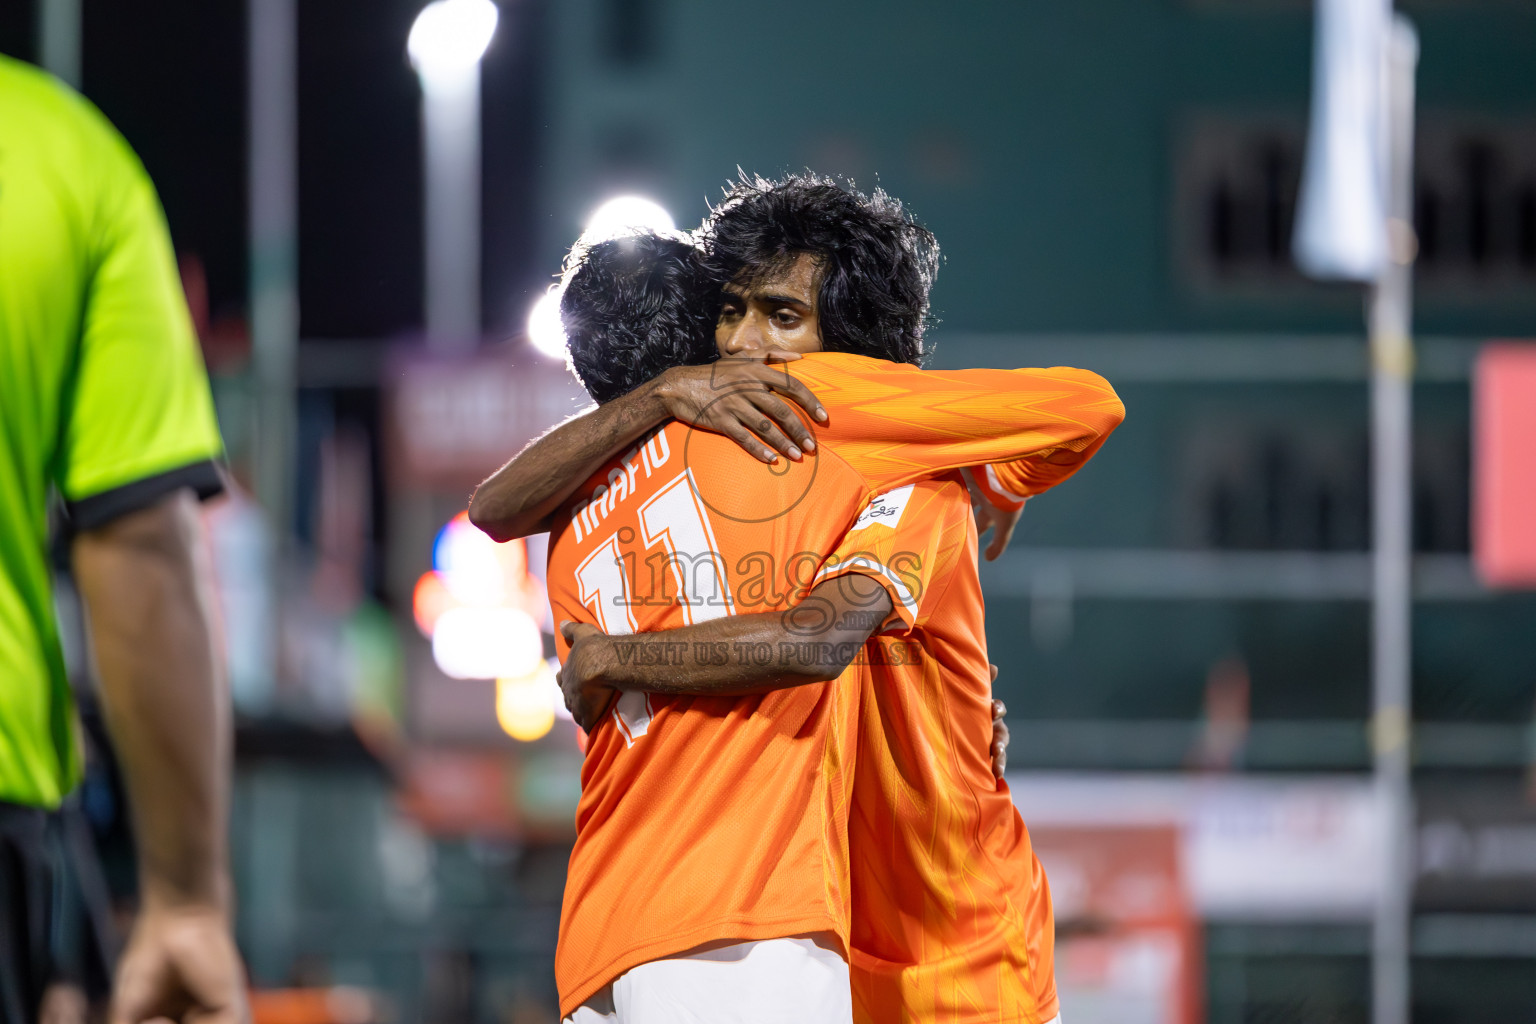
<point x="104" y="400"/>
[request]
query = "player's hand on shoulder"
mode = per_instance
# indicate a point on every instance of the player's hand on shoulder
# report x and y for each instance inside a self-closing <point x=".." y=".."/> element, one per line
<point x="999" y="739"/>
<point x="989" y="517"/>
<point x="582" y="678"/>
<point x="999" y="734"/>
<point x="740" y="398"/>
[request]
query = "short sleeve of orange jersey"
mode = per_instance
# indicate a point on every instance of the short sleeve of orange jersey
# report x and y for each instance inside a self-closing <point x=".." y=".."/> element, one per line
<point x="895" y="423"/>
<point x="892" y="547"/>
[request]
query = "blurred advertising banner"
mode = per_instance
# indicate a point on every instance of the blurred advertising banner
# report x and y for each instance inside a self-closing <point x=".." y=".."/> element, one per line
<point x="460" y="792"/>
<point x="452" y="420"/>
<point x="1504" y="465"/>
<point x="1300" y="849"/>
<point x="1127" y="942"/>
<point x="1476" y="849"/>
<point x="492" y="794"/>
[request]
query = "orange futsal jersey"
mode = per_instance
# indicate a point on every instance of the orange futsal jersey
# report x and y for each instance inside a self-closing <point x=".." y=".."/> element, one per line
<point x="951" y="913"/>
<point x="705" y="819"/>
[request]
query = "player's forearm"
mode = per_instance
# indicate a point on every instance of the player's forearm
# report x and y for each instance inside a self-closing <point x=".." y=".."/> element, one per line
<point x="1060" y="416"/>
<point x="1076" y="429"/>
<point x="1052" y="418"/>
<point x="163" y="691"/>
<point x="520" y="497"/>
<point x="746" y="654"/>
<point x="1010" y="484"/>
<point x="729" y="657"/>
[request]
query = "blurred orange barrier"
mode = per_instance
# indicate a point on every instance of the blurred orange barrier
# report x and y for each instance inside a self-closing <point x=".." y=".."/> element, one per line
<point x="460" y="792"/>
<point x="338" y="1005"/>
<point x="1128" y="944"/>
<point x="1504" y="465"/>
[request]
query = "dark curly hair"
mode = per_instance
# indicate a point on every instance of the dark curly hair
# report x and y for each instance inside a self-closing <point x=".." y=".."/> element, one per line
<point x="875" y="261"/>
<point x="635" y="306"/>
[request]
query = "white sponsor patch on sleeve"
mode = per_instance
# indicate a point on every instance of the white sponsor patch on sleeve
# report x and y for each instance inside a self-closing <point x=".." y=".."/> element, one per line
<point x="885" y="510"/>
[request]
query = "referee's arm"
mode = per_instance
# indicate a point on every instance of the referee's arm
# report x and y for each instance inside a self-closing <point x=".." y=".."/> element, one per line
<point x="144" y="582"/>
<point x="140" y="446"/>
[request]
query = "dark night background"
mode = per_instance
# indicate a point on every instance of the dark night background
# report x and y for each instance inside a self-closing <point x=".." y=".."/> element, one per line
<point x="171" y="76"/>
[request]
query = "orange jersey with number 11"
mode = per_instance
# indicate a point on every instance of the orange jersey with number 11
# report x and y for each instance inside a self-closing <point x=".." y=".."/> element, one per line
<point x="706" y="819"/>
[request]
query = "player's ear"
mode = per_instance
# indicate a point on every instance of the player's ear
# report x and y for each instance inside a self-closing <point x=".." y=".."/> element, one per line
<point x="567" y="628"/>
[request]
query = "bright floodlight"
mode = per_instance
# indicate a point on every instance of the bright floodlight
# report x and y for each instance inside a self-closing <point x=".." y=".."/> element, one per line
<point x="625" y="215"/>
<point x="450" y="36"/>
<point x="544" y="327"/>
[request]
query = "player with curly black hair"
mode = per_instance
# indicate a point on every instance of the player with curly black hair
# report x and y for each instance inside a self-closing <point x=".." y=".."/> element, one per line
<point x="871" y="263"/>
<point x="634" y="307"/>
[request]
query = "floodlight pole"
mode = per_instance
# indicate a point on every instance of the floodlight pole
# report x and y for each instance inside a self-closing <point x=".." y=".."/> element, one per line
<point x="273" y="100"/>
<point x="58" y="39"/>
<point x="1391" y="347"/>
<point x="450" y="139"/>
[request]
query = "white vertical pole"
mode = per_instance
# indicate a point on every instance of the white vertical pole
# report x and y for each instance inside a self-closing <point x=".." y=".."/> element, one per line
<point x="1390" y="316"/>
<point x="58" y="39"/>
<point x="450" y="135"/>
<point x="272" y="81"/>
<point x="273" y="112"/>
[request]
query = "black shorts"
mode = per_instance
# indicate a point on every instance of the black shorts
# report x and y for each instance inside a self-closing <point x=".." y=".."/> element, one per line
<point x="55" y="915"/>
<point x="26" y="910"/>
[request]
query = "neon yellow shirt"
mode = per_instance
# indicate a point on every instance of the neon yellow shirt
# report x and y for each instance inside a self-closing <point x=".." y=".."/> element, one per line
<point x="103" y="396"/>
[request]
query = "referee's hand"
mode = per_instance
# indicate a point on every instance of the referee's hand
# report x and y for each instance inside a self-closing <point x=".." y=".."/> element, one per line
<point x="180" y="966"/>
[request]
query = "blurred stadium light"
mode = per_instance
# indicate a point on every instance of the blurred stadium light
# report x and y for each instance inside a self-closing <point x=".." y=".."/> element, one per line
<point x="545" y="330"/>
<point x="445" y="45"/>
<point x="618" y="216"/>
<point x="624" y="215"/>
<point x="449" y="37"/>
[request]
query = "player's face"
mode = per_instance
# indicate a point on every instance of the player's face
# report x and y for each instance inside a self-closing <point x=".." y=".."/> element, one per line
<point x="777" y="311"/>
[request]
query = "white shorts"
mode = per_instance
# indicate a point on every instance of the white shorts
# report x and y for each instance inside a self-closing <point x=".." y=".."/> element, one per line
<point x="772" y="981"/>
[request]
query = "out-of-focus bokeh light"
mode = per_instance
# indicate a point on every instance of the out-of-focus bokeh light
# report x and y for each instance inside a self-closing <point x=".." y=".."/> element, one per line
<point x="429" y="601"/>
<point x="476" y="570"/>
<point x="449" y="37"/>
<point x="487" y="643"/>
<point x="480" y="606"/>
<point x="625" y="215"/>
<point x="561" y="711"/>
<point x="545" y="330"/>
<point x="526" y="705"/>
